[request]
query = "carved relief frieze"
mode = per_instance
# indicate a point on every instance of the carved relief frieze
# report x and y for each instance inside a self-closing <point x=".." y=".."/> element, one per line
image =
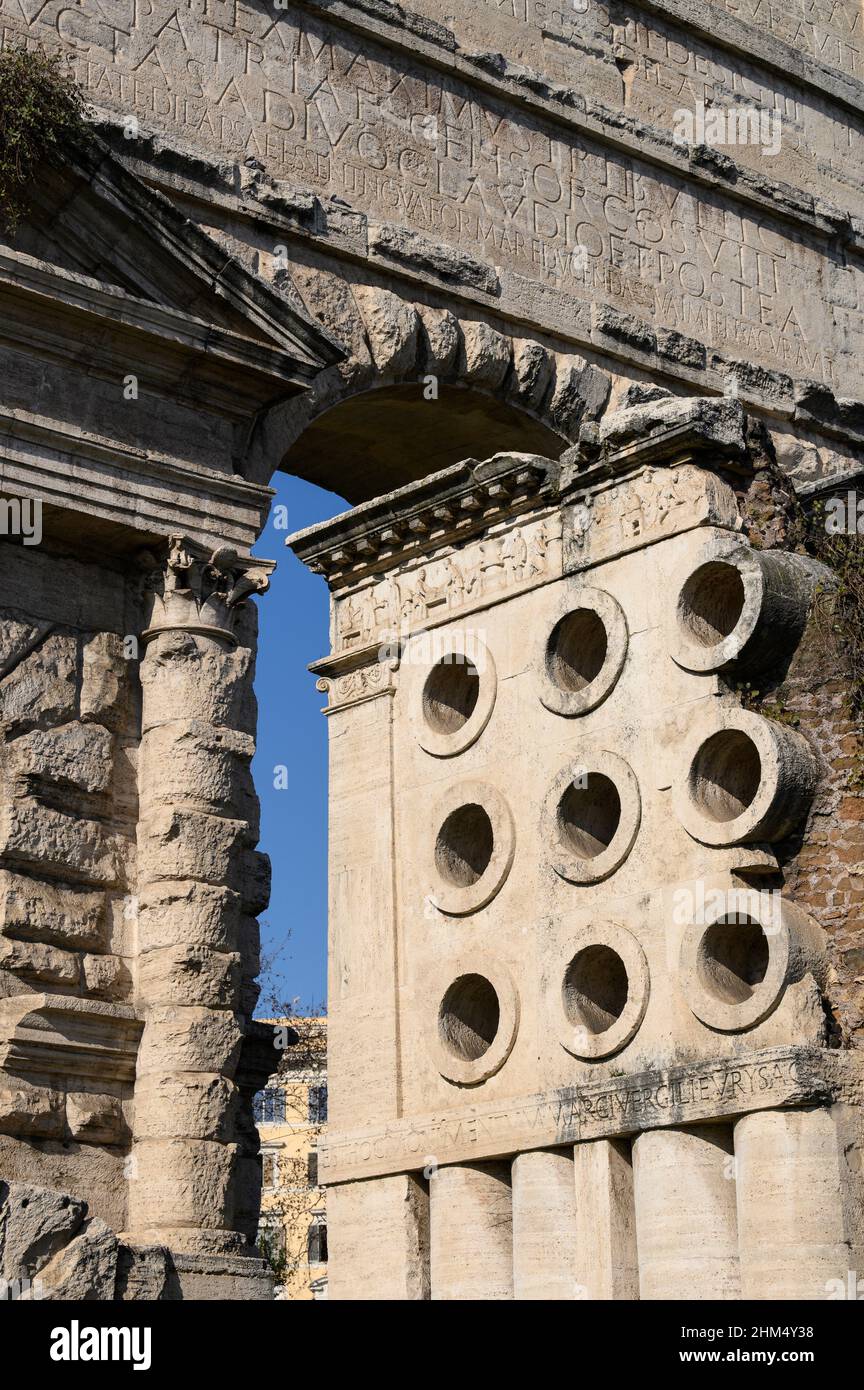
<point x="448" y="584"/>
<point x="658" y="502"/>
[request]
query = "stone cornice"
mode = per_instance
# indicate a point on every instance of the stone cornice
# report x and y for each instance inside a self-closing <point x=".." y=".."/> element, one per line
<point x="444" y="508"/>
<point x="62" y="1035"/>
<point x="135" y="488"/>
<point x="663" y="430"/>
<point x="217" y="355"/>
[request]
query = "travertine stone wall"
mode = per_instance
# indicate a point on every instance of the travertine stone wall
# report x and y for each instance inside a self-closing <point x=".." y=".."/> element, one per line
<point x="517" y="159"/>
<point x="130" y="885"/>
<point x="600" y="1004"/>
<point x="69" y="714"/>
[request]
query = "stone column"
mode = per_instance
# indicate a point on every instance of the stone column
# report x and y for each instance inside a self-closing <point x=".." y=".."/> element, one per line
<point x="606" y="1264"/>
<point x="378" y="1239"/>
<point x="544" y="1225"/>
<point x="794" y="1242"/>
<point x="199" y="879"/>
<point x="471" y="1229"/>
<point x="685" y="1213"/>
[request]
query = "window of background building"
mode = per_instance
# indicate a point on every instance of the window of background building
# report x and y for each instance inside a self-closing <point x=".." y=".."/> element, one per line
<point x="269" y="1106"/>
<point x="271" y="1236"/>
<point x="317" y="1245"/>
<point x="269" y="1170"/>
<point x="317" y="1105"/>
<point x="312" y="1170"/>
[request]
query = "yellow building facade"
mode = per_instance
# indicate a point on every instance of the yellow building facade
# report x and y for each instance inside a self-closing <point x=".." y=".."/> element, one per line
<point x="291" y="1114"/>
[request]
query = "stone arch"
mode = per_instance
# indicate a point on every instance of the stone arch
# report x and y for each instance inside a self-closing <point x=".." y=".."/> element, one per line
<point x="421" y="388"/>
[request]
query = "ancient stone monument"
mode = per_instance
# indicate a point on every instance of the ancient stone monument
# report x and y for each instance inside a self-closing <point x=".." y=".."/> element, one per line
<point x="566" y="300"/>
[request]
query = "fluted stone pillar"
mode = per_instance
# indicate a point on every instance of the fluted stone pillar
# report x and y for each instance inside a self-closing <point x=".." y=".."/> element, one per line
<point x="686" y="1225"/>
<point x="471" y="1229"/>
<point x="199" y="881"/>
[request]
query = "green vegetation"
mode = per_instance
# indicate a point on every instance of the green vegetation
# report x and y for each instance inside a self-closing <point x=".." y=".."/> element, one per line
<point x="41" y="110"/>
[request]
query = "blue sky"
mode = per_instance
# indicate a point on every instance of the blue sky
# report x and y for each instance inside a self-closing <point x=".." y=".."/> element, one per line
<point x="292" y="732"/>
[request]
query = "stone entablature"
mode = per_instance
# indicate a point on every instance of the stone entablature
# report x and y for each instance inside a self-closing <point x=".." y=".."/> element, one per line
<point x="375" y="136"/>
<point x="608" y="1109"/>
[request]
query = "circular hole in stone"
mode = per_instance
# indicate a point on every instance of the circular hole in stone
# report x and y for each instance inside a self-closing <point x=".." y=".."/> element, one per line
<point x="733" y="958"/>
<point x="469" y="1016"/>
<point x="576" y="650"/>
<point x="464" y="846"/>
<point x="712" y="602"/>
<point x="725" y="775"/>
<point x="450" y="694"/>
<point x="595" y="989"/>
<point x="588" y="815"/>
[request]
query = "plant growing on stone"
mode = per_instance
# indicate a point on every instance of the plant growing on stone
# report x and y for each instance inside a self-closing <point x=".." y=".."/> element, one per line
<point x="42" y="111"/>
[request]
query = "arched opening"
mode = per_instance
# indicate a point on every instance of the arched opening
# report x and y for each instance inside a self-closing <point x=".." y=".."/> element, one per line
<point x="382" y="439"/>
<point x="371" y="443"/>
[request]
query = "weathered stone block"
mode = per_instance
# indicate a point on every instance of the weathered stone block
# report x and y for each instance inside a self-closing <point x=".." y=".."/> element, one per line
<point x="74" y="755"/>
<point x="35" y="961"/>
<point x="34" y="1112"/>
<point x="106" y="681"/>
<point x="60" y="913"/>
<point x="189" y="844"/>
<point x="189" y="1039"/>
<point x="142" y="1273"/>
<point x="42" y="688"/>
<point x="106" y="977"/>
<point x="190" y="975"/>
<point x="184" y="1180"/>
<point x="185" y="1107"/>
<point x="85" y="1271"/>
<point x="256" y="882"/>
<point x="196" y="763"/>
<point x="391" y="327"/>
<point x="206" y="914"/>
<point x="94" y="1118"/>
<point x="69" y="846"/>
<point x="485" y="355"/>
<point x="35" y="1223"/>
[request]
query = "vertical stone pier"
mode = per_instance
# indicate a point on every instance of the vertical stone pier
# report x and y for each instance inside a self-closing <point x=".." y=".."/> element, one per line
<point x="606" y="1258"/>
<point x="795" y="1236"/>
<point x="380" y="1245"/>
<point x="197" y="874"/>
<point x="471" y="1232"/>
<point x="686" y="1229"/>
<point x="544" y="1226"/>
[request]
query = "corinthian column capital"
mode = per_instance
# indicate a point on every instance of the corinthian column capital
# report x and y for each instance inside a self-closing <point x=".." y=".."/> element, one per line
<point x="193" y="590"/>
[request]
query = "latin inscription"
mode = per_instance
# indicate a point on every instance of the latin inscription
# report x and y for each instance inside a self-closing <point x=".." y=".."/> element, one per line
<point x="330" y="112"/>
<point x="831" y="31"/>
<point x="619" y="1106"/>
